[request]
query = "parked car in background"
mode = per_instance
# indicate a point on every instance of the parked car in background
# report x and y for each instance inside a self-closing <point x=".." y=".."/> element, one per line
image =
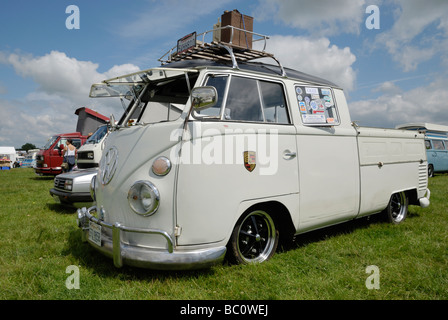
<point x="89" y="154"/>
<point x="436" y="143"/>
<point x="49" y="159"/>
<point x="30" y="158"/>
<point x="73" y="188"/>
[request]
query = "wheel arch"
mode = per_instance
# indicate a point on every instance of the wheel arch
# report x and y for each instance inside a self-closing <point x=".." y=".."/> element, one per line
<point x="279" y="213"/>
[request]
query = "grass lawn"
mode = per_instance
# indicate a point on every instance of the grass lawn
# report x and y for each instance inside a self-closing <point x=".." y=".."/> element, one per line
<point x="40" y="240"/>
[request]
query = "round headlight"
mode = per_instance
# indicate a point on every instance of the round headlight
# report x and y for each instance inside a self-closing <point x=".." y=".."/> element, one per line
<point x="92" y="187"/>
<point x="144" y="198"/>
<point x="161" y="166"/>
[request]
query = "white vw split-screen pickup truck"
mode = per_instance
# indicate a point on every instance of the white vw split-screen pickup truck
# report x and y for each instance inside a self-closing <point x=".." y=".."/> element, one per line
<point x="217" y="156"/>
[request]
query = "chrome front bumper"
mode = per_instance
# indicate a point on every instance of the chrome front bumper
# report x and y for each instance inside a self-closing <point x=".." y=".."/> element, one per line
<point x="143" y="257"/>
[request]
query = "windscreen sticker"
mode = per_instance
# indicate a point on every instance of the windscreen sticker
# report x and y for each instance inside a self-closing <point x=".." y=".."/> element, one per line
<point x="307" y="100"/>
<point x="311" y="90"/>
<point x="316" y="105"/>
<point x="314" y="118"/>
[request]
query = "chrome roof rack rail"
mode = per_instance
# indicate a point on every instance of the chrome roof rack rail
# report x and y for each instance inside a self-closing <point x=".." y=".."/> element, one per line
<point x="219" y="50"/>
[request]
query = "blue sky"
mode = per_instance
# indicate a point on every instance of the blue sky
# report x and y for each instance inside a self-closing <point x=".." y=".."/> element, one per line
<point x="391" y="75"/>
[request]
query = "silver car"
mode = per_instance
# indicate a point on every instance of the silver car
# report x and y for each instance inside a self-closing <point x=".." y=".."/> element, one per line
<point x="73" y="188"/>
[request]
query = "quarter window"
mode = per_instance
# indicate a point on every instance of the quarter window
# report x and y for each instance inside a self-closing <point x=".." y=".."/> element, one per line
<point x="316" y="105"/>
<point x="274" y="105"/>
<point x="243" y="101"/>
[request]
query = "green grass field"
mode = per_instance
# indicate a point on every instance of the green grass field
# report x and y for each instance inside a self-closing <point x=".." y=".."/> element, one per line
<point x="39" y="240"/>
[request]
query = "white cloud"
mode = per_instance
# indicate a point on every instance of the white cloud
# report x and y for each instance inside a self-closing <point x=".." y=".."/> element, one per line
<point x="316" y="57"/>
<point x="57" y="74"/>
<point x="63" y="85"/>
<point x="406" y="41"/>
<point x="387" y="87"/>
<point x="422" y="104"/>
<point x="319" y="16"/>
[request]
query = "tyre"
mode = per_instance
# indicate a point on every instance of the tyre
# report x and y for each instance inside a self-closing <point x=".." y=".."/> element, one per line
<point x="254" y="238"/>
<point x="397" y="209"/>
<point x="430" y="171"/>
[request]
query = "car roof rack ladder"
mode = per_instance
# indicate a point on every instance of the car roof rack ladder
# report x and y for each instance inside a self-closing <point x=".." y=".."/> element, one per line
<point x="218" y="50"/>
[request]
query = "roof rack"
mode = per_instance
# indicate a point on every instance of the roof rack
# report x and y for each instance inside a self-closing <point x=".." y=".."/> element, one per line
<point x="219" y="50"/>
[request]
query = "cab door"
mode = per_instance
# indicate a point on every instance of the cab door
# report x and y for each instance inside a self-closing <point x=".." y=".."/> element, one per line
<point x="327" y="158"/>
<point x="56" y="153"/>
<point x="246" y="154"/>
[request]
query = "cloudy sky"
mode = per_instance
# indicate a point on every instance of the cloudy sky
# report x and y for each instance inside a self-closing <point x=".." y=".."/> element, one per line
<point x="391" y="62"/>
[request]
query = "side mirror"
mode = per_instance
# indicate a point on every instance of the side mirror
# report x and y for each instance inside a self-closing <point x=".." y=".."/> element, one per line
<point x="203" y="98"/>
<point x="60" y="148"/>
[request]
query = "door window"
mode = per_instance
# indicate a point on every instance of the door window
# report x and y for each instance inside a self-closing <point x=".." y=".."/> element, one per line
<point x="438" y="144"/>
<point x="248" y="100"/>
<point x="63" y="141"/>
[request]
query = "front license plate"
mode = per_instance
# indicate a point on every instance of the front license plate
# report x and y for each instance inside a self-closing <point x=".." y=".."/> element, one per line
<point x="95" y="233"/>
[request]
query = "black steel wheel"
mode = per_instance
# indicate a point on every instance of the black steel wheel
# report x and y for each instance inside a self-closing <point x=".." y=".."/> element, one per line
<point x="254" y="238"/>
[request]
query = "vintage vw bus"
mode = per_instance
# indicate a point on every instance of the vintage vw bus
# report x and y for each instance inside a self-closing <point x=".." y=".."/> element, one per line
<point x="436" y="143"/>
<point x="217" y="155"/>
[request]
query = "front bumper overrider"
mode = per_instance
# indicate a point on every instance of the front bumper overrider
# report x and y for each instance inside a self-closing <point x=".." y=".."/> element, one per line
<point x="125" y="254"/>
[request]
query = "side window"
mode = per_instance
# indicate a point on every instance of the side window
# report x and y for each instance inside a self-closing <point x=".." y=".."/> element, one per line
<point x="274" y="105"/>
<point x="77" y="143"/>
<point x="63" y="141"/>
<point x="243" y="101"/>
<point x="316" y="105"/>
<point x="248" y="100"/>
<point x="438" y="144"/>
<point x="428" y="144"/>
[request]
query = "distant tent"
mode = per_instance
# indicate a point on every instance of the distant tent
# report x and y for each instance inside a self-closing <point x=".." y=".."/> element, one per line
<point x="7" y="156"/>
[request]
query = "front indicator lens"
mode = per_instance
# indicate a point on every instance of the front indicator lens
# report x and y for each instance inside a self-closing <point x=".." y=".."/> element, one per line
<point x="161" y="166"/>
<point x="144" y="198"/>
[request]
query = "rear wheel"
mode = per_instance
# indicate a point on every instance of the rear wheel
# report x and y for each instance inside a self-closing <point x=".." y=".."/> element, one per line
<point x="430" y="171"/>
<point x="254" y="238"/>
<point x="397" y="209"/>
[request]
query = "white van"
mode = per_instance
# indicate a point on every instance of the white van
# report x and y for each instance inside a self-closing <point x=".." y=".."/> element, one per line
<point x="219" y="156"/>
<point x="89" y="154"/>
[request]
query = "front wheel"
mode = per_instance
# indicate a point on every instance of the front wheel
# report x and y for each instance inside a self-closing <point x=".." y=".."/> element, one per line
<point x="254" y="238"/>
<point x="397" y="209"/>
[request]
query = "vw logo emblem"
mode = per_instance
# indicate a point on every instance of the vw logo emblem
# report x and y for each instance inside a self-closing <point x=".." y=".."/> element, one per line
<point x="108" y="165"/>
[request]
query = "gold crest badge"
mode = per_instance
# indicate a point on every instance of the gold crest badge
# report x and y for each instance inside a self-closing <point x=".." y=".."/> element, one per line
<point x="250" y="160"/>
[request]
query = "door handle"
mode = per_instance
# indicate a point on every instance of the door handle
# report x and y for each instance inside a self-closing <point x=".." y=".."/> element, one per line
<point x="288" y="155"/>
